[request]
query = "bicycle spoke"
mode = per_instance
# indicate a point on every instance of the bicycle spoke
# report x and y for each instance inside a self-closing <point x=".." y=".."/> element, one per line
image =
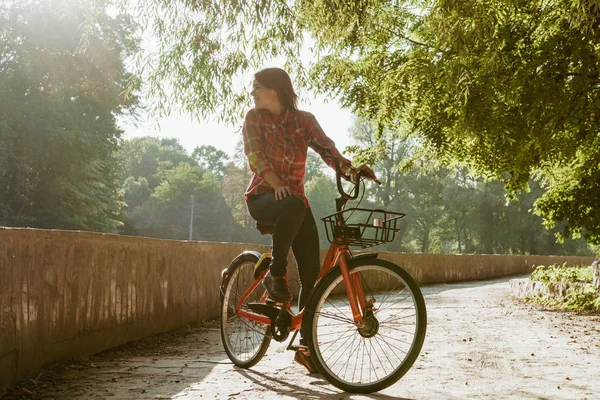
<point x="362" y="361"/>
<point x="389" y="351"/>
<point x="392" y="304"/>
<point x="384" y="353"/>
<point x="347" y="363"/>
<point x="334" y="306"/>
<point x="383" y="337"/>
<point x="335" y="317"/>
<point x="393" y="291"/>
<point x="371" y="361"/>
<point x="341" y="346"/>
<point x="335" y="332"/>
<point x="342" y="336"/>
<point x="369" y="290"/>
<point x="397" y="318"/>
<point x="247" y="324"/>
<point x="400" y="330"/>
<point x="337" y="342"/>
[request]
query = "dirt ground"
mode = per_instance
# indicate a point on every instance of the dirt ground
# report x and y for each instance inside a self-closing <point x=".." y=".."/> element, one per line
<point x="480" y="344"/>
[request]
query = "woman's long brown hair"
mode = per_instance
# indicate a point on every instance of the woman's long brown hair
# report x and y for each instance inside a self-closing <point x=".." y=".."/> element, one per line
<point x="279" y="80"/>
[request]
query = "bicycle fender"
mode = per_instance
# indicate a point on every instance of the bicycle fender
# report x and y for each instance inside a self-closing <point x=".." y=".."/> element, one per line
<point x="365" y="255"/>
<point x="227" y="271"/>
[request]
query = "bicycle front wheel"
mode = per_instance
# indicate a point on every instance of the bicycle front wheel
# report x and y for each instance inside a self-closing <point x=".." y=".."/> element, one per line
<point x="372" y="357"/>
<point x="245" y="341"/>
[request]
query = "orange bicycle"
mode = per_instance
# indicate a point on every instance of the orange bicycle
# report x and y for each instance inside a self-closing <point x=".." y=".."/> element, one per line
<point x="364" y="320"/>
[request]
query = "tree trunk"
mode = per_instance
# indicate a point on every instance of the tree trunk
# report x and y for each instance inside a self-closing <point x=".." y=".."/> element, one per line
<point x="596" y="271"/>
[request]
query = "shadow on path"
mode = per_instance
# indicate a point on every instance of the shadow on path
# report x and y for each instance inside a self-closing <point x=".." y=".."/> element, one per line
<point x="300" y="392"/>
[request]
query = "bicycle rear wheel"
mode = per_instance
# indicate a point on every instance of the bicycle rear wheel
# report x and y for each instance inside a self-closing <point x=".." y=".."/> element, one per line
<point x="371" y="358"/>
<point x="245" y="341"/>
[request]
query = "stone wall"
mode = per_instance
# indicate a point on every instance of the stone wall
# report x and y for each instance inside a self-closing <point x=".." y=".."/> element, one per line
<point x="66" y="294"/>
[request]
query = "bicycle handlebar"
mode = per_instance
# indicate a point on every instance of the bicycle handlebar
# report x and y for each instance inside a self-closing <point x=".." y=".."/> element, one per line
<point x="360" y="175"/>
<point x="338" y="180"/>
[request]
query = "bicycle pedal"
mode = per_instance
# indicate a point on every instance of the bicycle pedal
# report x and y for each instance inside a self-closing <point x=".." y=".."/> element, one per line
<point x="265" y="309"/>
<point x="296" y="348"/>
<point x="274" y="303"/>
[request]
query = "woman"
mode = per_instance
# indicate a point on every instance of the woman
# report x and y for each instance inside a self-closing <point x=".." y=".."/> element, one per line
<point x="276" y="139"/>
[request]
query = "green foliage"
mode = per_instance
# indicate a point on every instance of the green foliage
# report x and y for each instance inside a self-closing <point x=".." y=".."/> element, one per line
<point x="562" y="273"/>
<point x="148" y="157"/>
<point x="234" y="185"/>
<point x="450" y="211"/>
<point x="61" y="84"/>
<point x="572" y="191"/>
<point x="166" y="213"/>
<point x="160" y="180"/>
<point x="181" y="180"/>
<point x="321" y="193"/>
<point x="446" y="211"/>
<point x="211" y="159"/>
<point x="580" y="294"/>
<point x="203" y="45"/>
<point x="314" y="166"/>
<point x="577" y="298"/>
<point x="137" y="191"/>
<point x="506" y="88"/>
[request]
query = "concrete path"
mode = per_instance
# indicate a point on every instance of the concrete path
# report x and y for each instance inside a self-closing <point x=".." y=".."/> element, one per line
<point x="480" y="344"/>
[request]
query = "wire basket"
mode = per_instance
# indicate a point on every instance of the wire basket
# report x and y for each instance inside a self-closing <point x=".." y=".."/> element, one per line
<point x="361" y="227"/>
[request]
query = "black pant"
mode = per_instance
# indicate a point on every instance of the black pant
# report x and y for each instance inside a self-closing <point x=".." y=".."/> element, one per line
<point x="294" y="226"/>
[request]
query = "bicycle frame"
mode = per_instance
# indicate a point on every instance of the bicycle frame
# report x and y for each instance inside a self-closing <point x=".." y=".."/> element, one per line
<point x="354" y="290"/>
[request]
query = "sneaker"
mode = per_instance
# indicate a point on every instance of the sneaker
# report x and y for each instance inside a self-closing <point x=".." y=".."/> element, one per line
<point x="277" y="288"/>
<point x="303" y="358"/>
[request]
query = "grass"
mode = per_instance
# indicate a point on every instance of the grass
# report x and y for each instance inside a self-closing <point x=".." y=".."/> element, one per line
<point x="562" y="273"/>
<point x="580" y="295"/>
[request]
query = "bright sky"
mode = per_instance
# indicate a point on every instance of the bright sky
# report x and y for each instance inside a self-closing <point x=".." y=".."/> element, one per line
<point x="334" y="120"/>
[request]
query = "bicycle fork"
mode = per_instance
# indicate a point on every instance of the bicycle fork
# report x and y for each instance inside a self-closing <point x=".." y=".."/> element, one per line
<point x="354" y="289"/>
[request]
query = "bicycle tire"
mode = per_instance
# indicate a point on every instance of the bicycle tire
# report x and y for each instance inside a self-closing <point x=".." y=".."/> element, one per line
<point x="244" y="341"/>
<point x="329" y="302"/>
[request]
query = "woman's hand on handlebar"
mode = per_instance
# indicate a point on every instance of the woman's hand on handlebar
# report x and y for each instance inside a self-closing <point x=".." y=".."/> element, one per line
<point x="362" y="170"/>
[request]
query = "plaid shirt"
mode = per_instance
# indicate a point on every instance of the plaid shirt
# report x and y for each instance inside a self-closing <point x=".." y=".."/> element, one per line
<point x="279" y="144"/>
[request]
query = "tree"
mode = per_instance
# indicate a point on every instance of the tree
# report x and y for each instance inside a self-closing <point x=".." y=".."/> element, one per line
<point x="321" y="193"/>
<point x="149" y="157"/>
<point x="314" y="165"/>
<point x="507" y="88"/>
<point x="159" y="178"/>
<point x="234" y="184"/>
<point x="137" y="191"/>
<point x="409" y="184"/>
<point x="211" y="159"/>
<point x="166" y="213"/>
<point x="448" y="210"/>
<point x="61" y="85"/>
<point x="461" y="200"/>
